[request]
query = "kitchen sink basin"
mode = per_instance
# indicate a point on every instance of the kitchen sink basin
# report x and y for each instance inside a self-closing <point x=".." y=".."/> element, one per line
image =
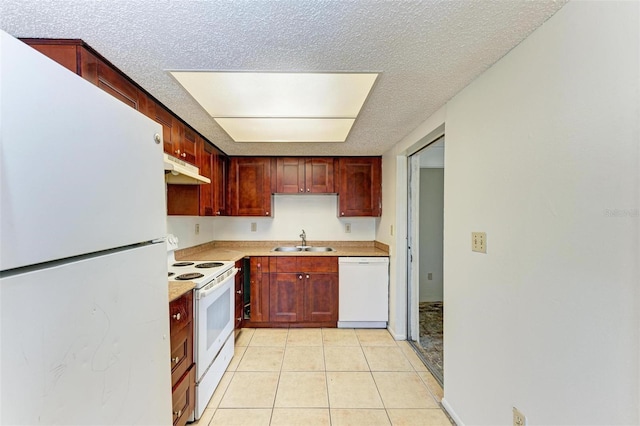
<point x="287" y="248"/>
<point x="319" y="249"/>
<point x="307" y="248"/>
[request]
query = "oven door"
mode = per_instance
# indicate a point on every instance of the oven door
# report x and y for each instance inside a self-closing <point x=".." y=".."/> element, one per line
<point x="215" y="321"/>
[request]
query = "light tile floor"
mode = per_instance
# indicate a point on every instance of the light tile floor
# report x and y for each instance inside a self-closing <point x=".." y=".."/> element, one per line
<point x="324" y="377"/>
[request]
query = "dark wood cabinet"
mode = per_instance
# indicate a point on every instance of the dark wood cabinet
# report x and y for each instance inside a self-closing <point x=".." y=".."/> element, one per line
<point x="182" y="367"/>
<point x="239" y="299"/>
<point x="219" y="183"/>
<point x="359" y="182"/>
<point x="259" y="289"/>
<point x="299" y="175"/>
<point x="303" y="291"/>
<point x="250" y="186"/>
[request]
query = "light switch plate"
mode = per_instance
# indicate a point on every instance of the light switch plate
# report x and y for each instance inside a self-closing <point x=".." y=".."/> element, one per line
<point x="479" y="242"/>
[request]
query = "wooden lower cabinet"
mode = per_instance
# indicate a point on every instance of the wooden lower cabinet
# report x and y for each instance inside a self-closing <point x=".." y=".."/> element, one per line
<point x="183" y="380"/>
<point x="295" y="291"/>
<point x="239" y="298"/>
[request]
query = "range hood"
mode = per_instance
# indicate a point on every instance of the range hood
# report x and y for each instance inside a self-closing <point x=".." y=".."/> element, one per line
<point x="179" y="172"/>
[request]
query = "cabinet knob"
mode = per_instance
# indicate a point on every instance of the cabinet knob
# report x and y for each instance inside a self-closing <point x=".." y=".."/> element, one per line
<point x="342" y="214"/>
<point x="307" y="276"/>
<point x="299" y="277"/>
<point x="177" y="151"/>
<point x="175" y="360"/>
<point x="301" y="189"/>
<point x="177" y="413"/>
<point x="308" y="190"/>
<point x="176" y="316"/>
<point x="184" y="154"/>
<point x="267" y="214"/>
<point x="239" y="319"/>
<point x="239" y="291"/>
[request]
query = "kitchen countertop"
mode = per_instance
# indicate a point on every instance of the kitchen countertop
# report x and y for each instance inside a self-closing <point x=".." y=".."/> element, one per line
<point x="178" y="288"/>
<point x="236" y="250"/>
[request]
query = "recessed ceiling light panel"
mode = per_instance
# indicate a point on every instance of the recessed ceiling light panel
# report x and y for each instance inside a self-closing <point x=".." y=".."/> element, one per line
<point x="287" y="129"/>
<point x="246" y="102"/>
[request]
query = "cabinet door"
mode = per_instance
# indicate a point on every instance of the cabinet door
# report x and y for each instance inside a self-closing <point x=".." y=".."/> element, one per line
<point x="164" y="117"/>
<point x="321" y="297"/>
<point x="250" y="186"/>
<point x="188" y="145"/>
<point x="219" y="180"/>
<point x="319" y="175"/>
<point x="286" y="296"/>
<point x="184" y="399"/>
<point x="259" y="290"/>
<point x="206" y="166"/>
<point x="290" y="175"/>
<point x="114" y="83"/>
<point x="239" y="298"/>
<point x="360" y="186"/>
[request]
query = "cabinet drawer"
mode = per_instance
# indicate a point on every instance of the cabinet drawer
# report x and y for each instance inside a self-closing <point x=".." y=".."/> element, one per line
<point x="180" y="312"/>
<point x="318" y="264"/>
<point x="183" y="399"/>
<point x="181" y="352"/>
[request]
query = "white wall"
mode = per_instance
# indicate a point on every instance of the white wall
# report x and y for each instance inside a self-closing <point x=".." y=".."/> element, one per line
<point x="431" y="233"/>
<point x="543" y="155"/>
<point x="316" y="214"/>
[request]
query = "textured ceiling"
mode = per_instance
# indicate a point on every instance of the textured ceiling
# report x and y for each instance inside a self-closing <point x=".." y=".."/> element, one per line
<point x="427" y="51"/>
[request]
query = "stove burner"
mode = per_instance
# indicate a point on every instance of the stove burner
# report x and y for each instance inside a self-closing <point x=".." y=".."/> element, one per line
<point x="171" y="274"/>
<point x="191" y="276"/>
<point x="210" y="265"/>
<point x="182" y="264"/>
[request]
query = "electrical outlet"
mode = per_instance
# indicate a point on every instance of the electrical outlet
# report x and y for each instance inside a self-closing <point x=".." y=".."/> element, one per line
<point x="479" y="242"/>
<point x="197" y="228"/>
<point x="347" y="228"/>
<point x="254" y="227"/>
<point x="518" y="418"/>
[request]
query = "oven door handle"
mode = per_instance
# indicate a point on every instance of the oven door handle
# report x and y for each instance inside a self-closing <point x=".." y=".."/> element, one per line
<point x="204" y="292"/>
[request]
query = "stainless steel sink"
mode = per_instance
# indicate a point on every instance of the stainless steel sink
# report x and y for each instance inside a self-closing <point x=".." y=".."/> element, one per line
<point x="299" y="248"/>
<point x="319" y="249"/>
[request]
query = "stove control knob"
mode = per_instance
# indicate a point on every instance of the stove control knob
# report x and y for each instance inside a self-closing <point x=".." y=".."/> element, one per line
<point x="177" y="316"/>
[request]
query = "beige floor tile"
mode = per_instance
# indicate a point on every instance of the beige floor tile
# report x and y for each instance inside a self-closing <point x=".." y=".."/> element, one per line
<point x="302" y="389"/>
<point x="205" y="419"/>
<point x="243" y="336"/>
<point x="339" y="337"/>
<point x="303" y="358"/>
<point x="386" y="358"/>
<point x="241" y="417"/>
<point x="403" y="390"/>
<point x="352" y="390"/>
<point x="251" y="390"/>
<point x="418" y="417"/>
<point x="345" y="358"/>
<point x="237" y="356"/>
<point x="261" y="358"/>
<point x="359" y="417"/>
<point x="220" y="390"/>
<point x="432" y="384"/>
<point x="300" y="417"/>
<point x="375" y="337"/>
<point x="269" y="337"/>
<point x="410" y="353"/>
<point x="304" y="337"/>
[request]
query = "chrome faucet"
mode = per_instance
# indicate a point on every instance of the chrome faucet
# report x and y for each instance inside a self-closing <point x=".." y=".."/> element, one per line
<point x="304" y="238"/>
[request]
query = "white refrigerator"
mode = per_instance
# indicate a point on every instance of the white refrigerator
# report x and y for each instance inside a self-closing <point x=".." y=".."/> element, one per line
<point x="84" y="317"/>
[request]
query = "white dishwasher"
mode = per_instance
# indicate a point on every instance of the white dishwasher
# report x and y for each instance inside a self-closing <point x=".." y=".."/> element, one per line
<point x="363" y="292"/>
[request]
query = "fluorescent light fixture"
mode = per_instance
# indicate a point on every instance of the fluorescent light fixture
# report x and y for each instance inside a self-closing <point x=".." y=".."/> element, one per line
<point x="278" y="106"/>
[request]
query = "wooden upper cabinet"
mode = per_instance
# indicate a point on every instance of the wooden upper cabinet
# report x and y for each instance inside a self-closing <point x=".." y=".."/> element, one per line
<point x="188" y="146"/>
<point x="250" y="186"/>
<point x="161" y="115"/>
<point x="299" y="175"/>
<point x="115" y="84"/>
<point x="359" y="181"/>
<point x="219" y="182"/>
<point x="206" y="157"/>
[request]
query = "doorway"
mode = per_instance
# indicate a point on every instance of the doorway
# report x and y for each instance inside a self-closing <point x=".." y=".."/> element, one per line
<point x="425" y="259"/>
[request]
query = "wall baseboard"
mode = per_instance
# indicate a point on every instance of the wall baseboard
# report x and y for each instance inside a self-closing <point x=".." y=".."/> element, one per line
<point x="451" y="413"/>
